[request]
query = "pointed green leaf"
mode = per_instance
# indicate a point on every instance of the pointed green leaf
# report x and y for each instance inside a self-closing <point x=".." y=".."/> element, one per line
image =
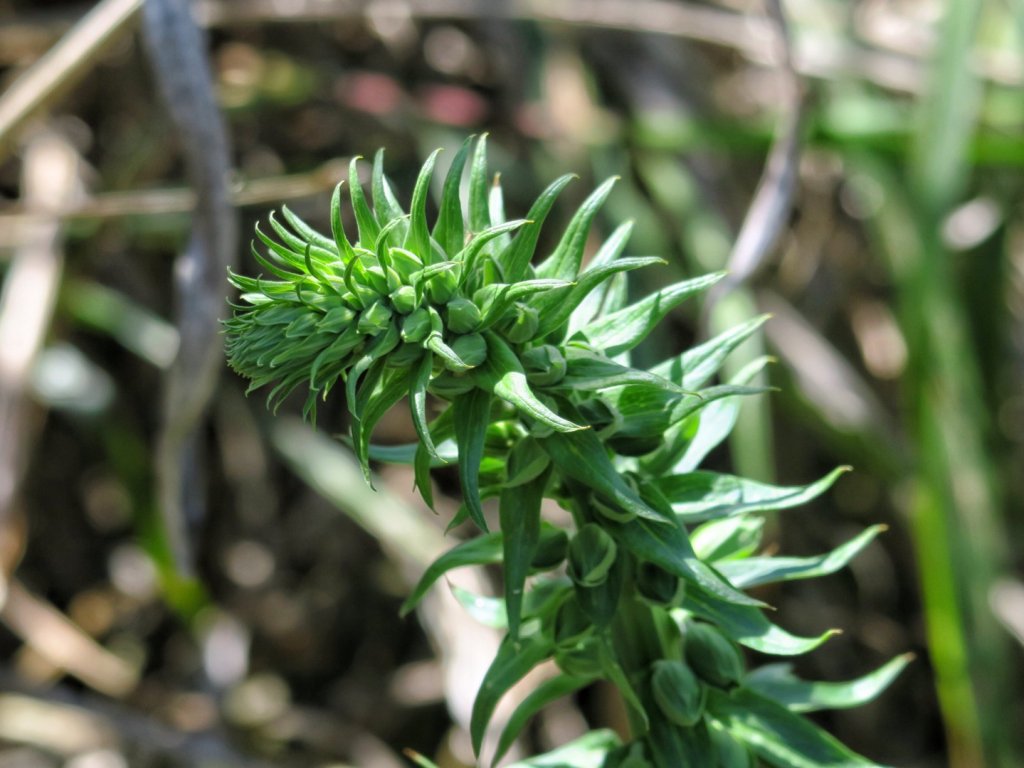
<point x="622" y="330"/>
<point x="778" y="683"/>
<point x="592" y="303"/>
<point x="418" y="403"/>
<point x="345" y="251"/>
<point x="385" y="206"/>
<point x="519" y="511"/>
<point x="365" y="221"/>
<point x="470" y="255"/>
<point x="550" y="690"/>
<point x="565" y="261"/>
<point x="299" y="244"/>
<point x="471" y="414"/>
<point x="778" y="736"/>
<point x="479" y="214"/>
<point x="392" y="387"/>
<point x="556" y="306"/>
<point x="693" y="368"/>
<point x="442" y="431"/>
<point x="589" y="371"/>
<point x="704" y="495"/>
<point x="754" y="571"/>
<point x="588" y="751"/>
<point x="306" y="231"/>
<point x="503" y="374"/>
<point x="514" y="660"/>
<point x="375" y="350"/>
<point x="716" y="422"/>
<point x="486" y="611"/>
<point x="515" y="259"/>
<point x="747" y="625"/>
<point x="728" y="539"/>
<point x="450" y="231"/>
<point x="669" y="547"/>
<point x="581" y="456"/>
<point x="405" y="453"/>
<point x="496" y="298"/>
<point x="418" y="238"/>
<point x="483" y="550"/>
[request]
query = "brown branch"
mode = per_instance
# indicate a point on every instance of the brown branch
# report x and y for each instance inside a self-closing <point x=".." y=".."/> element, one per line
<point x="62" y="66"/>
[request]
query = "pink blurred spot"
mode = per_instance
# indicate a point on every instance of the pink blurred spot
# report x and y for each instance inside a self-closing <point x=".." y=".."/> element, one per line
<point x="452" y="105"/>
<point x="370" y="92"/>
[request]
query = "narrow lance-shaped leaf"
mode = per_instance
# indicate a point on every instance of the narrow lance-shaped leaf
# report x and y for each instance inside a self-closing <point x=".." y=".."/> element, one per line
<point x="778" y="683"/>
<point x="470" y="255"/>
<point x="494" y="299"/>
<point x="374" y="351"/>
<point x="393" y="386"/>
<point x="754" y="571"/>
<point x="582" y="457"/>
<point x="322" y="242"/>
<point x="590" y="371"/>
<point x="556" y="307"/>
<point x="778" y="736"/>
<point x="482" y="550"/>
<point x="514" y="261"/>
<point x="609" y="251"/>
<point x="622" y="330"/>
<point x="471" y="414"/>
<point x="548" y="691"/>
<point x="365" y="221"/>
<point x="748" y="626"/>
<point x="519" y="511"/>
<point x="418" y="402"/>
<point x="716" y="422"/>
<point x="588" y="751"/>
<point x="479" y="214"/>
<point x="567" y="257"/>
<point x="514" y="660"/>
<point x="693" y="368"/>
<point x="727" y="539"/>
<point x="417" y="239"/>
<point x="286" y="256"/>
<point x="443" y="431"/>
<point x="449" y="231"/>
<point x="385" y="205"/>
<point x="503" y="374"/>
<point x="669" y="547"/>
<point x="299" y="244"/>
<point x="345" y="251"/>
<point x="705" y="495"/>
<point x="405" y="453"/>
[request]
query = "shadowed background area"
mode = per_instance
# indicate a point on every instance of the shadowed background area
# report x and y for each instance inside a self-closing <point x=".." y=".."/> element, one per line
<point x="186" y="580"/>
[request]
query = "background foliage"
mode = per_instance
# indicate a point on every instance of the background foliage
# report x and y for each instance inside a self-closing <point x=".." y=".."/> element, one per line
<point x="897" y="290"/>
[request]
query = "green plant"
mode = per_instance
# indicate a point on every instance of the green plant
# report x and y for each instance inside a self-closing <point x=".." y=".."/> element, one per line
<point x="530" y="368"/>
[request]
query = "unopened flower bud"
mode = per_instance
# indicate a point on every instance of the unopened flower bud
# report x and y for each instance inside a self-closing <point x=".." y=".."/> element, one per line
<point x="523" y="325"/>
<point x="551" y="549"/>
<point x="591" y="555"/>
<point x="713" y="656"/>
<point x="441" y="287"/>
<point x="472" y="348"/>
<point x="374" y="319"/>
<point x="463" y="316"/>
<point x="571" y="624"/>
<point x="416" y="326"/>
<point x="677" y="692"/>
<point x="404" y="299"/>
<point x="544" y="365"/>
<point x="658" y="586"/>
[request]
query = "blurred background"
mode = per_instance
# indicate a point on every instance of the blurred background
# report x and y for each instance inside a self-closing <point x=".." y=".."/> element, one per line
<point x="240" y="607"/>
